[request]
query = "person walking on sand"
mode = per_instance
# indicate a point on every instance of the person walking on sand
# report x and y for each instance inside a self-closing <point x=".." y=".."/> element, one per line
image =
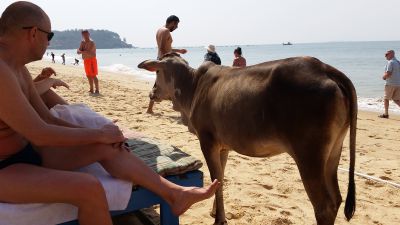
<point x="239" y="60"/>
<point x="52" y="57"/>
<point x="39" y="153"/>
<point x="212" y="55"/>
<point x="63" y="58"/>
<point x="164" y="44"/>
<point x="88" y="51"/>
<point x="392" y="78"/>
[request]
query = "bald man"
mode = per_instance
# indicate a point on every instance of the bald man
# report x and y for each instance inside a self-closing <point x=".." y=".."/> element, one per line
<point x="38" y="151"/>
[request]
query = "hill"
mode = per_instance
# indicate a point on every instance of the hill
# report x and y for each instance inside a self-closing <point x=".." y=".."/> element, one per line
<point x="70" y="39"/>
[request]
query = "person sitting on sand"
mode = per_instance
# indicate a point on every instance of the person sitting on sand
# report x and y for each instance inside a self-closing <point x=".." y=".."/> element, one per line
<point x="88" y="51"/>
<point x="39" y="151"/>
<point x="212" y="55"/>
<point x="392" y="78"/>
<point x="164" y="43"/>
<point x="239" y="60"/>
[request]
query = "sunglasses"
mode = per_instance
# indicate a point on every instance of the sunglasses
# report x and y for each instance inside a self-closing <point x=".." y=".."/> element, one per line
<point x="50" y="35"/>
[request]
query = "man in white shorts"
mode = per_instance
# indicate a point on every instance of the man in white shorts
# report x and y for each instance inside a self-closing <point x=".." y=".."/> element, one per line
<point x="392" y="78"/>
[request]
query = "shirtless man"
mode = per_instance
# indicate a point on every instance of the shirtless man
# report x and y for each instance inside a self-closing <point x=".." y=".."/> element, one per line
<point x="38" y="151"/>
<point x="164" y="43"/>
<point x="88" y="51"/>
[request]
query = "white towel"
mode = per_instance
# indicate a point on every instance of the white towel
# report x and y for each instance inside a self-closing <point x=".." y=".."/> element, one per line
<point x="118" y="191"/>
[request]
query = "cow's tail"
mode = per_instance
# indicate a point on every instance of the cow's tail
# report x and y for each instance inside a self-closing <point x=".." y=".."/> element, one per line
<point x="349" y="91"/>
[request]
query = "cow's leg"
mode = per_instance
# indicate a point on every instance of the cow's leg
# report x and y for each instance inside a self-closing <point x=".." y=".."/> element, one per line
<point x="224" y="158"/>
<point x="312" y="168"/>
<point x="212" y="154"/>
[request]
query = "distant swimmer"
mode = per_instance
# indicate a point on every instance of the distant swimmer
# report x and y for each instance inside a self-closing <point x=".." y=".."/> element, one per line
<point x="392" y="78"/>
<point x="164" y="43"/>
<point x="88" y="51"/>
<point x="239" y="60"/>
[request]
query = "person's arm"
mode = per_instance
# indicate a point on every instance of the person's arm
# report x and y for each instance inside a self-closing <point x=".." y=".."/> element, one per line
<point x="17" y="112"/>
<point x="91" y="51"/>
<point x="80" y="49"/>
<point x="43" y="86"/>
<point x="388" y="71"/>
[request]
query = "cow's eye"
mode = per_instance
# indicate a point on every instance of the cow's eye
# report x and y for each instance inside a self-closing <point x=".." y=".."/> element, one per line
<point x="157" y="71"/>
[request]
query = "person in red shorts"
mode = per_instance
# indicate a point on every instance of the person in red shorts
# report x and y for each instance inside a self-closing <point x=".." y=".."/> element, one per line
<point x="88" y="51"/>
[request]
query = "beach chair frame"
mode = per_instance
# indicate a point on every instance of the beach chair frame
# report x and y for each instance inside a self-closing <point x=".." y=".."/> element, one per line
<point x="143" y="198"/>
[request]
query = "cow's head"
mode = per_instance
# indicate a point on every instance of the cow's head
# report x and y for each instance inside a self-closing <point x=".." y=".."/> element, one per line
<point x="170" y="68"/>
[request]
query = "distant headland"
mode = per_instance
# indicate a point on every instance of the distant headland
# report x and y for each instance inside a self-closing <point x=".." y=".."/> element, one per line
<point x="70" y="39"/>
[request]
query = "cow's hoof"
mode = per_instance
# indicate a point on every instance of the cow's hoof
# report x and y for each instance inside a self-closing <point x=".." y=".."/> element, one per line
<point x="221" y="223"/>
<point x="213" y="214"/>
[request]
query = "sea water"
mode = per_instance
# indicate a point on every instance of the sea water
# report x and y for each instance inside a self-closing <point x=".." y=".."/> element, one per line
<point x="362" y="62"/>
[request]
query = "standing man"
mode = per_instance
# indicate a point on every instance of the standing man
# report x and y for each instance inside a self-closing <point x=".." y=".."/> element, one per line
<point x="52" y="57"/>
<point x="88" y="51"/>
<point x="63" y="58"/>
<point x="392" y="78"/>
<point x="164" y="44"/>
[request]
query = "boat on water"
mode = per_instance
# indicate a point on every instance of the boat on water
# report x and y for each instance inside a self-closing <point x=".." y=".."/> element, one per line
<point x="287" y="43"/>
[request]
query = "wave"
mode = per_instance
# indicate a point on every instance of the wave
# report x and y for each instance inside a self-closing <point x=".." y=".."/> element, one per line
<point x="124" y="69"/>
<point x="376" y="105"/>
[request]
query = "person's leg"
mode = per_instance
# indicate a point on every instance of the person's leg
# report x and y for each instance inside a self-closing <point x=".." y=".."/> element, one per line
<point x="150" y="108"/>
<point x="24" y="183"/>
<point x="96" y="84"/>
<point x="397" y="102"/>
<point x="50" y="98"/>
<point x="386" y="103"/>
<point x="90" y="79"/>
<point x="124" y="165"/>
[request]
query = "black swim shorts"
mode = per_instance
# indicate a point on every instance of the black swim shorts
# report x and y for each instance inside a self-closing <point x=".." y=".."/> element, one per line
<point x="27" y="155"/>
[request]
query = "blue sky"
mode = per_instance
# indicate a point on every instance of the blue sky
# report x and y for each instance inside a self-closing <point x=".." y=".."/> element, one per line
<point x="230" y="22"/>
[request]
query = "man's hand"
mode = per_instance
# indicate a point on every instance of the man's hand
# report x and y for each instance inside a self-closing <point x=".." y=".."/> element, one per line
<point x="58" y="83"/>
<point x="46" y="73"/>
<point x="112" y="135"/>
<point x="182" y="51"/>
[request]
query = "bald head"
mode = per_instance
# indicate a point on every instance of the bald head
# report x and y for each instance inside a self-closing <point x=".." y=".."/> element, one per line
<point x="21" y="14"/>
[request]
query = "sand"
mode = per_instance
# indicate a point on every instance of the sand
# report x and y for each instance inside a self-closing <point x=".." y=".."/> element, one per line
<point x="256" y="191"/>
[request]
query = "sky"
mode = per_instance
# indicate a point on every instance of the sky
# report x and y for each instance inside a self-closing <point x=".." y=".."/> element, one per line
<point x="231" y="22"/>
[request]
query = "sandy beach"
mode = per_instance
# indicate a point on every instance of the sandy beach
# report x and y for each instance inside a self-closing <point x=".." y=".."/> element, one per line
<point x="257" y="191"/>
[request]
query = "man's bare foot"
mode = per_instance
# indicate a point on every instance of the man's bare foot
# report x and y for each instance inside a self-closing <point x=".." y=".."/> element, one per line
<point x="190" y="195"/>
<point x="149" y="111"/>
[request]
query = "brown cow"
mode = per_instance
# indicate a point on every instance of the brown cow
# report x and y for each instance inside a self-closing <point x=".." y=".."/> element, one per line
<point x="300" y="106"/>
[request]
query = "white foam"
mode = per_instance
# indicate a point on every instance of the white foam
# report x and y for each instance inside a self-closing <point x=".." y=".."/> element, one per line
<point x="376" y="105"/>
<point x="124" y="69"/>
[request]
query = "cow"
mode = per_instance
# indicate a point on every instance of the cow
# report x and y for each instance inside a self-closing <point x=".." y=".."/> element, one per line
<point x="297" y="105"/>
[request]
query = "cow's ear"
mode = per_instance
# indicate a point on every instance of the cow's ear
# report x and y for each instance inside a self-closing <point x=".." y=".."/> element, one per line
<point x="150" y="65"/>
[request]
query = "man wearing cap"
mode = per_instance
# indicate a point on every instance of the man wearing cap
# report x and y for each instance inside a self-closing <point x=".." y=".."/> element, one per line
<point x="88" y="51"/>
<point x="212" y="55"/>
<point x="392" y="78"/>
<point x="164" y="43"/>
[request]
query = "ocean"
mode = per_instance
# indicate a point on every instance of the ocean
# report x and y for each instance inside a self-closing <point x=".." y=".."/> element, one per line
<point x="362" y="62"/>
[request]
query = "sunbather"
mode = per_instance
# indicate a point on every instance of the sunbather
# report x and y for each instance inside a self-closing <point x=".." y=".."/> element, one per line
<point x="38" y="151"/>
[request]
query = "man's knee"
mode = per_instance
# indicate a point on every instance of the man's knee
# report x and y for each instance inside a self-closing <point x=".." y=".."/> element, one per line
<point x="86" y="189"/>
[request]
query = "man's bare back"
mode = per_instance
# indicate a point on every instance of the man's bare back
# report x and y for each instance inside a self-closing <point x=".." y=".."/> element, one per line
<point x="164" y="41"/>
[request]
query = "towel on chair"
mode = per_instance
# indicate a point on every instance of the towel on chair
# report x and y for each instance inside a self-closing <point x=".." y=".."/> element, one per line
<point x="118" y="192"/>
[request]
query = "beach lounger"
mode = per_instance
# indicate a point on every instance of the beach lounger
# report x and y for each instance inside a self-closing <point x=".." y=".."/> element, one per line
<point x="166" y="160"/>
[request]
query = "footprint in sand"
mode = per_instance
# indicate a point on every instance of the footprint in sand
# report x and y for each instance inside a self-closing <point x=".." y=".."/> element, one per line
<point x="385" y="178"/>
<point x="268" y="187"/>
